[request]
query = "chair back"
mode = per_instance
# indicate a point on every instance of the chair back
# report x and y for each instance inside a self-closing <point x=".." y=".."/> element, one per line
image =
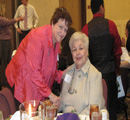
<point x="7" y="103"/>
<point x="105" y="91"/>
<point x="124" y="77"/>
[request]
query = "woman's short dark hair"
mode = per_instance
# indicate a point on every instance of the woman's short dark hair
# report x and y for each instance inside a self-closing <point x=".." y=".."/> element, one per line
<point x="128" y="26"/>
<point x="61" y="13"/>
<point x="95" y="5"/>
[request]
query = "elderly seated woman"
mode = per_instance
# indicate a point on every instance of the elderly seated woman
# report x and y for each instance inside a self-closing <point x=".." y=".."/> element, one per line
<point x="82" y="85"/>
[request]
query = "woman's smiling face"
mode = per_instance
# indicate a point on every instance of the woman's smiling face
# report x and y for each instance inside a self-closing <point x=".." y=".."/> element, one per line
<point x="79" y="53"/>
<point x="59" y="30"/>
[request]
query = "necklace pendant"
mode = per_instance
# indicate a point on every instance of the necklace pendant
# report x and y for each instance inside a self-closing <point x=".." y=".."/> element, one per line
<point x="71" y="91"/>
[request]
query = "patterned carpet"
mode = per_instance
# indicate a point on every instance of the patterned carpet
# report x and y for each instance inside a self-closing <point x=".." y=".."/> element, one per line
<point x="121" y="115"/>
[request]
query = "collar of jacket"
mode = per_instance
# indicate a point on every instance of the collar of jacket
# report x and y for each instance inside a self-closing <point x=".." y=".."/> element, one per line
<point x="97" y="15"/>
<point x="84" y="68"/>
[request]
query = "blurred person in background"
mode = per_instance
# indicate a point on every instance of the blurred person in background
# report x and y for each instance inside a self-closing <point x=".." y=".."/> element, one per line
<point x="125" y="58"/>
<point x="127" y="31"/>
<point x="65" y="58"/>
<point x="5" y="42"/>
<point x="30" y="19"/>
<point x="104" y="51"/>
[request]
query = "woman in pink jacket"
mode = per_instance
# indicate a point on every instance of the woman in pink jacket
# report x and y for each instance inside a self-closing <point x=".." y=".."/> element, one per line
<point x="33" y="69"/>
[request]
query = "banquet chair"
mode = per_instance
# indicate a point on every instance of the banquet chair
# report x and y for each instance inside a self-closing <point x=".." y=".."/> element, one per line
<point x="124" y="72"/>
<point x="105" y="91"/>
<point x="7" y="103"/>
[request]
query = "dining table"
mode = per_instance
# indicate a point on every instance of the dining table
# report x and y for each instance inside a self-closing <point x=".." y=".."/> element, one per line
<point x="16" y="116"/>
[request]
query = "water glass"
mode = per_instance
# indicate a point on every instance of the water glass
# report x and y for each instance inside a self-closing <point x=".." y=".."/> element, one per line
<point x="50" y="112"/>
<point x="96" y="116"/>
<point x="93" y="108"/>
<point x="32" y="110"/>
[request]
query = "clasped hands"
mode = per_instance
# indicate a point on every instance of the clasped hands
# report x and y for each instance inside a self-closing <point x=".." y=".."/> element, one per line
<point x="55" y="99"/>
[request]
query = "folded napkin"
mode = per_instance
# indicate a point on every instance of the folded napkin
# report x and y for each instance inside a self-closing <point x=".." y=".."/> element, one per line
<point x="68" y="116"/>
<point x="16" y="116"/>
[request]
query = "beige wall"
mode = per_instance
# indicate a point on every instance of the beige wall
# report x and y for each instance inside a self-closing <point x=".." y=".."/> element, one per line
<point x="116" y="10"/>
<point x="74" y="8"/>
<point x="45" y="10"/>
<point x="8" y="8"/>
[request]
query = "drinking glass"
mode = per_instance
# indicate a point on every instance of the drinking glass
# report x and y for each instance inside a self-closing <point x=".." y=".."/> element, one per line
<point x="32" y="110"/>
<point x="96" y="116"/>
<point x="1" y="115"/>
<point x="93" y="108"/>
<point x="50" y="112"/>
<point x="47" y="102"/>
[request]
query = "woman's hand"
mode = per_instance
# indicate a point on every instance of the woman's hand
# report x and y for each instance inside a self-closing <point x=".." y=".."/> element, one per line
<point x="19" y="19"/>
<point x="55" y="99"/>
<point x="19" y="31"/>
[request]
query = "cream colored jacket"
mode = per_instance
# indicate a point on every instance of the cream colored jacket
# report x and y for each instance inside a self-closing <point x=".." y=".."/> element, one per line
<point x="87" y="86"/>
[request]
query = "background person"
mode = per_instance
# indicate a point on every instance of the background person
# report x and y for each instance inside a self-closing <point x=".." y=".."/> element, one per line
<point x="65" y="58"/>
<point x="128" y="35"/>
<point x="5" y="42"/>
<point x="125" y="58"/>
<point x="30" y="19"/>
<point x="104" y="50"/>
<point x="33" y="69"/>
<point x="81" y="79"/>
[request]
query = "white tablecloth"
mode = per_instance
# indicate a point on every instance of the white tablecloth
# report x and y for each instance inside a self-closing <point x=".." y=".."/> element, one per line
<point x="16" y="116"/>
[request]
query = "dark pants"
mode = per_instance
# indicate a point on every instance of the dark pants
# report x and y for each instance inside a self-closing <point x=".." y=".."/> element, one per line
<point x="21" y="36"/>
<point x="110" y="79"/>
<point x="5" y="57"/>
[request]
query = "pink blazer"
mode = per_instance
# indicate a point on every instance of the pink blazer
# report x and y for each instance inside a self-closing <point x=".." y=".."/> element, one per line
<point x="33" y="69"/>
